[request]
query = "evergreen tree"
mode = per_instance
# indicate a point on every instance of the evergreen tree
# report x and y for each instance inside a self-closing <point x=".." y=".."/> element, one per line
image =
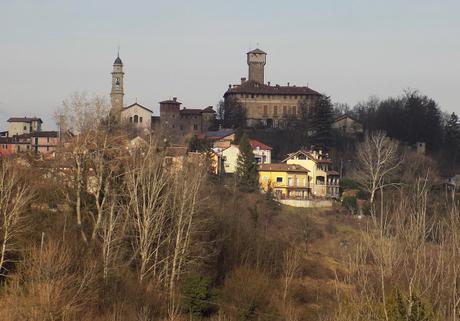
<point x="320" y="120"/>
<point x="452" y="138"/>
<point x="246" y="171"/>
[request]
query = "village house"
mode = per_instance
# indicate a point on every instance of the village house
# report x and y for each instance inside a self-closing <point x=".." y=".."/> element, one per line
<point x="23" y="125"/>
<point x="229" y="155"/>
<point x="25" y="134"/>
<point x="348" y="125"/>
<point x="265" y="104"/>
<point x="324" y="182"/>
<point x="287" y="181"/>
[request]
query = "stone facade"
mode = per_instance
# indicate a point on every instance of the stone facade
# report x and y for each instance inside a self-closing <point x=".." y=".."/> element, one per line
<point x="177" y="122"/>
<point x="173" y="121"/>
<point x="265" y="104"/>
<point x="23" y="125"/>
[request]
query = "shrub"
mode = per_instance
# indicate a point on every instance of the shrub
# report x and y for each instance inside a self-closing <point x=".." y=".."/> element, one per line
<point x="349" y="202"/>
<point x="198" y="296"/>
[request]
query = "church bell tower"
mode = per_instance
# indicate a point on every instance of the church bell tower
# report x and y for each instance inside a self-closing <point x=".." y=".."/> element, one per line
<point x="117" y="93"/>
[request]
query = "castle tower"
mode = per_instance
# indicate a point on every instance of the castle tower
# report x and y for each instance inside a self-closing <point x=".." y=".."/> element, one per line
<point x="117" y="93"/>
<point x="256" y="63"/>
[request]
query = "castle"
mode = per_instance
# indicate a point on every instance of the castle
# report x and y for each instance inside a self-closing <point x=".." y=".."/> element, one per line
<point x="173" y="122"/>
<point x="265" y="104"/>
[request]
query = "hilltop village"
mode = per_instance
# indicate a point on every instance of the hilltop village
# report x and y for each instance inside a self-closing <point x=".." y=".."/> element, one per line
<point x="274" y="204"/>
<point x="296" y="176"/>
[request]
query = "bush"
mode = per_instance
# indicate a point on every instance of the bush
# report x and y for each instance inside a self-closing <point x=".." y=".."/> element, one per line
<point x="347" y="183"/>
<point x="349" y="202"/>
<point x="198" y="296"/>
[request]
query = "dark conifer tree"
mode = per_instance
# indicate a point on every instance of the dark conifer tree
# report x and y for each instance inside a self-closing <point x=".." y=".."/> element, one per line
<point x="246" y="171"/>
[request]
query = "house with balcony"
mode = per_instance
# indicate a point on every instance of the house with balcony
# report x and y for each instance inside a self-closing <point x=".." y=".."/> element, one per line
<point x="288" y="181"/>
<point x="324" y="181"/>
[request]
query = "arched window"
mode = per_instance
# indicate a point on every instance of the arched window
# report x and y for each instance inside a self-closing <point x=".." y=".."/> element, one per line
<point x="136" y="119"/>
<point x="140" y="119"/>
<point x="130" y="119"/>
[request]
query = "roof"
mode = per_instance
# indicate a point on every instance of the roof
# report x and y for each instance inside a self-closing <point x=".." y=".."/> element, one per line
<point x="118" y="61"/>
<point x="138" y="105"/>
<point x="257" y="51"/>
<point x="218" y="134"/>
<point x="45" y="134"/>
<point x="170" y="101"/>
<point x="309" y="155"/>
<point x="174" y="151"/>
<point x="255" y="143"/>
<point x="282" y="167"/>
<point x="253" y="87"/>
<point x="23" y="119"/>
<point x="332" y="173"/>
<point x="345" y="116"/>
<point x="196" y="111"/>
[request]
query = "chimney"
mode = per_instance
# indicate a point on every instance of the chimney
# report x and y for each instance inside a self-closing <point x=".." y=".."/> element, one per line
<point x="268" y="83"/>
<point x="230" y="86"/>
<point x="288" y="84"/>
<point x="243" y="80"/>
<point x="174" y="98"/>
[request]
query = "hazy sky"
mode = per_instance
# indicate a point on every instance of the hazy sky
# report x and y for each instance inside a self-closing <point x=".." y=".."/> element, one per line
<point x="194" y="49"/>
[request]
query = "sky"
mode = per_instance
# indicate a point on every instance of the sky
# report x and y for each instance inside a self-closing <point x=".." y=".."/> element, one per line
<point x="349" y="50"/>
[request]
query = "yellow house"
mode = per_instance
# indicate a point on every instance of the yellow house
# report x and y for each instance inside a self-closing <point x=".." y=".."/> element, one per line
<point x="324" y="180"/>
<point x="288" y="181"/>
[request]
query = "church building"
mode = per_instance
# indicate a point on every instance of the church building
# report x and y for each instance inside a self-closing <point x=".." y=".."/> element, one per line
<point x="265" y="104"/>
<point x="173" y="121"/>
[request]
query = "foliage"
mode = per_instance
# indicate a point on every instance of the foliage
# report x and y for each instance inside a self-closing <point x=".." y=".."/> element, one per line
<point x="349" y="202"/>
<point x="199" y="145"/>
<point x="408" y="308"/>
<point x="234" y="114"/>
<point x="198" y="296"/>
<point x="246" y="171"/>
<point x="320" y="120"/>
<point x="348" y="183"/>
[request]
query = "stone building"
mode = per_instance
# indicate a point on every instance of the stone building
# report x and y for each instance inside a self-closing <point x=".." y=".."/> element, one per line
<point x="173" y="120"/>
<point x="23" y="125"/>
<point x="265" y="104"/>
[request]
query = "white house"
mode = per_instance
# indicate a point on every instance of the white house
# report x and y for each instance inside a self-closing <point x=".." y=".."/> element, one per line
<point x="229" y="155"/>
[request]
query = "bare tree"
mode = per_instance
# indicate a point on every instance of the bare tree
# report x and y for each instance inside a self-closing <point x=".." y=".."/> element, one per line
<point x="15" y="195"/>
<point x="377" y="157"/>
<point x="291" y="264"/>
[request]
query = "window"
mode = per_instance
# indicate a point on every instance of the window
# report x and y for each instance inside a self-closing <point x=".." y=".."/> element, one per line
<point x="181" y="127"/>
<point x="279" y="179"/>
<point x="294" y="110"/>
<point x="47" y="139"/>
<point x="47" y="148"/>
<point x="284" y="110"/>
<point x="136" y="119"/>
<point x="266" y="110"/>
<point x="140" y="119"/>
<point x="130" y="119"/>
<point x="195" y="127"/>
<point x="25" y="127"/>
<point x="275" y="110"/>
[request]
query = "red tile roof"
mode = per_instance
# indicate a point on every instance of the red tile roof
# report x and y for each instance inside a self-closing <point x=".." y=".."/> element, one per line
<point x="255" y="143"/>
<point x="252" y="87"/>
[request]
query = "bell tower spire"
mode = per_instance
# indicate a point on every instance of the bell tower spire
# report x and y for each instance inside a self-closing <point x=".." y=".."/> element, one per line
<point x="117" y="93"/>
